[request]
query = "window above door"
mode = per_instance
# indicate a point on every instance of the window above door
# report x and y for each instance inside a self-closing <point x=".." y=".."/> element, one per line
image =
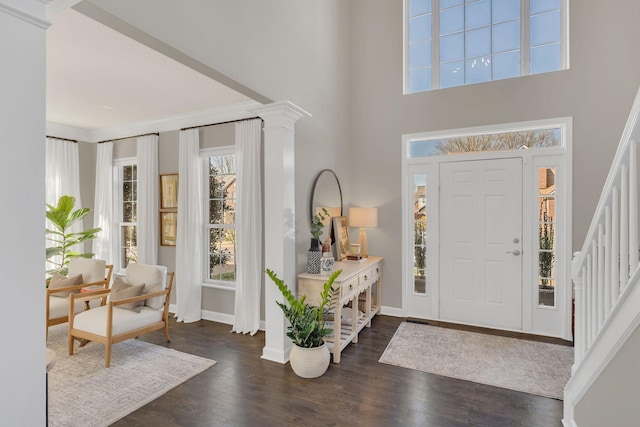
<point x="451" y="43"/>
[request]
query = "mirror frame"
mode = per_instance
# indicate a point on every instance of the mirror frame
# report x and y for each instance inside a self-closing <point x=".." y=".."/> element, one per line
<point x="313" y="193"/>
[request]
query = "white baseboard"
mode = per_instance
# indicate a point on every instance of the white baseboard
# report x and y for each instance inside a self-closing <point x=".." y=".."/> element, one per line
<point x="215" y="316"/>
<point x="391" y="311"/>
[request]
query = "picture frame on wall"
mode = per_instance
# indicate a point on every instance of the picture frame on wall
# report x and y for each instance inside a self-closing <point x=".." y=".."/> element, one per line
<point x="168" y="228"/>
<point x="341" y="233"/>
<point x="169" y="191"/>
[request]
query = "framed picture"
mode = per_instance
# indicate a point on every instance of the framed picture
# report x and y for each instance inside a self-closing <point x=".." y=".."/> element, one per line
<point x="341" y="233"/>
<point x="169" y="191"/>
<point x="168" y="228"/>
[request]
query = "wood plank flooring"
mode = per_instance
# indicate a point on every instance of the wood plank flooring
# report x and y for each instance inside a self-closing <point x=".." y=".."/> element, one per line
<point x="244" y="390"/>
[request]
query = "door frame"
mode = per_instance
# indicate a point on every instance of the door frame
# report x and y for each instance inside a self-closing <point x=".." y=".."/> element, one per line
<point x="540" y="320"/>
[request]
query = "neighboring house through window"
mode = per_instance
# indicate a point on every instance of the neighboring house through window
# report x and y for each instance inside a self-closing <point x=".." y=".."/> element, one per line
<point x="220" y="216"/>
<point x="126" y="180"/>
<point x="459" y="42"/>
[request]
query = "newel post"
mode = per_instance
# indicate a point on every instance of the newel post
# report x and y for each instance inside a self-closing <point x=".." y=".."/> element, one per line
<point x="279" y="218"/>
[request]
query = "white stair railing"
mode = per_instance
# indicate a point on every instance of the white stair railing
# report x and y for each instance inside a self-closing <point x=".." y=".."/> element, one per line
<point x="609" y="257"/>
<point x="605" y="272"/>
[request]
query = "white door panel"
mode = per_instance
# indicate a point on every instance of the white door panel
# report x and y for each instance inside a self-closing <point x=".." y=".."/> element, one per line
<point x="480" y="249"/>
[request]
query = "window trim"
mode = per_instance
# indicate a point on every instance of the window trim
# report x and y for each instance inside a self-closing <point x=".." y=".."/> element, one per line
<point x="525" y="47"/>
<point x="205" y="154"/>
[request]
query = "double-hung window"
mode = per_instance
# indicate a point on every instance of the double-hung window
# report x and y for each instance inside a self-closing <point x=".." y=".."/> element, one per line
<point x="126" y="186"/>
<point x="458" y="42"/>
<point x="220" y="216"/>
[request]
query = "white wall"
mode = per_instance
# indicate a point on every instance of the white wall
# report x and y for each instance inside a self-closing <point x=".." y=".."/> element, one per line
<point x="612" y="400"/>
<point x="22" y="255"/>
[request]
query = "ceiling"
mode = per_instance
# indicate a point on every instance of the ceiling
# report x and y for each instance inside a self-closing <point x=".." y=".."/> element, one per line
<point x="98" y="78"/>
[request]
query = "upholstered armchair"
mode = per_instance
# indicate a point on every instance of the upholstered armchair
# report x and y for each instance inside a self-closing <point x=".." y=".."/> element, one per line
<point x="83" y="274"/>
<point x="136" y="305"/>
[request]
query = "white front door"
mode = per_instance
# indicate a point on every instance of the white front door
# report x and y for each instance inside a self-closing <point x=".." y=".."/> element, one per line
<point x="481" y="242"/>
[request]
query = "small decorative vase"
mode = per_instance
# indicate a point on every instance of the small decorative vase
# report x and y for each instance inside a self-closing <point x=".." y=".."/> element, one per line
<point x="313" y="257"/>
<point x="309" y="362"/>
<point x="326" y="264"/>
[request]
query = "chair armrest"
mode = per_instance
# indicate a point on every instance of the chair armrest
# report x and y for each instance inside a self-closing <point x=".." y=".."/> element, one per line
<point x="139" y="297"/>
<point x="65" y="289"/>
<point x="86" y="296"/>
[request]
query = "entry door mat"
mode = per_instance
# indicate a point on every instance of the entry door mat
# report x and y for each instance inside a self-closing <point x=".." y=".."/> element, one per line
<point x="532" y="367"/>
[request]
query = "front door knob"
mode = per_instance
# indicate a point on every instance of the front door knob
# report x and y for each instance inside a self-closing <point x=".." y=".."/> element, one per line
<point x="515" y="252"/>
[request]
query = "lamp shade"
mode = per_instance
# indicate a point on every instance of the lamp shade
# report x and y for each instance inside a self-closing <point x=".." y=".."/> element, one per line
<point x="363" y="217"/>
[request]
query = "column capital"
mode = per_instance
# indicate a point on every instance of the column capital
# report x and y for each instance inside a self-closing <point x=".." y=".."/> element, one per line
<point x="280" y="114"/>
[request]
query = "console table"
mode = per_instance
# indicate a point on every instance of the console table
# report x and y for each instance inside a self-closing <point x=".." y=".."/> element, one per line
<point x="357" y="278"/>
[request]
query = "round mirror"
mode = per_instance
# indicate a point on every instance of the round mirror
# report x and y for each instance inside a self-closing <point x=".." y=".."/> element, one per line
<point x="326" y="193"/>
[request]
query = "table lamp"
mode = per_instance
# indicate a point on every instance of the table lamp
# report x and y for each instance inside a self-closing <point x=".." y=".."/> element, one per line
<point x="363" y="217"/>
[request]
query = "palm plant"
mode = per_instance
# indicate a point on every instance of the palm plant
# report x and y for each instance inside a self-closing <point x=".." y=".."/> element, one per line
<point x="307" y="325"/>
<point x="62" y="217"/>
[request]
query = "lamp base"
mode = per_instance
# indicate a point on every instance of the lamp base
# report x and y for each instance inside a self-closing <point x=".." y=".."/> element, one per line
<point x="362" y="239"/>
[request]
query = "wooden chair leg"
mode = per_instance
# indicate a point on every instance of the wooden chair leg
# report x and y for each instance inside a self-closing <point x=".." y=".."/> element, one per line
<point x="107" y="354"/>
<point x="166" y="331"/>
<point x="70" y="343"/>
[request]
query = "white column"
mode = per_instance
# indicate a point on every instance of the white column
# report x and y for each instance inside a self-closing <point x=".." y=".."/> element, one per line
<point x="22" y="257"/>
<point x="279" y="219"/>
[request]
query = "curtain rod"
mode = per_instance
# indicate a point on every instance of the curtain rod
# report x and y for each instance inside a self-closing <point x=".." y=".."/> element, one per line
<point x="127" y="137"/>
<point x="63" y="139"/>
<point x="222" y="123"/>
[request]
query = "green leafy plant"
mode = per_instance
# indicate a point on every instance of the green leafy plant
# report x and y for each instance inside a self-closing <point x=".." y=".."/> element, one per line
<point x="317" y="223"/>
<point x="62" y="217"/>
<point x="307" y="325"/>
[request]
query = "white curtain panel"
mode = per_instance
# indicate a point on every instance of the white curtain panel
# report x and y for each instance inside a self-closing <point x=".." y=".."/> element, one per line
<point x="104" y="203"/>
<point x="189" y="239"/>
<point x="62" y="171"/>
<point x="249" y="272"/>
<point x="147" y="228"/>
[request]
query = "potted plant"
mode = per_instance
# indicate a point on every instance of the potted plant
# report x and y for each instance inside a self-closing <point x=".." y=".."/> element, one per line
<point x="309" y="356"/>
<point x="62" y="216"/>
<point x="315" y="251"/>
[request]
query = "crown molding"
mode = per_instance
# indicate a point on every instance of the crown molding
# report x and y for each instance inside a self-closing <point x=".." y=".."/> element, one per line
<point x="208" y="116"/>
<point x="31" y="11"/>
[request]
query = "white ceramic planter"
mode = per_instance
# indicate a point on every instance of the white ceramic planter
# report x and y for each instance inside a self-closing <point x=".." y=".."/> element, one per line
<point x="309" y="362"/>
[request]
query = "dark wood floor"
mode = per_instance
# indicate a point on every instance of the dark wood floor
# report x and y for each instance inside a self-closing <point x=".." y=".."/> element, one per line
<point x="244" y="390"/>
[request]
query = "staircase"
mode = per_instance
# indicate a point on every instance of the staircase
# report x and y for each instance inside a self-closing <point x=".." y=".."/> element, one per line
<point x="606" y="274"/>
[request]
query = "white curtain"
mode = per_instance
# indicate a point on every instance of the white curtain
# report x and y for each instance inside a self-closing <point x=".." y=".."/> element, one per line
<point x="189" y="250"/>
<point x="248" y="227"/>
<point x="147" y="226"/>
<point x="62" y="171"/>
<point x="104" y="203"/>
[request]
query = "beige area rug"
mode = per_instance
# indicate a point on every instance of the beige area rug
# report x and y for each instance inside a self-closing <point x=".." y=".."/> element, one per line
<point x="532" y="367"/>
<point x="83" y="393"/>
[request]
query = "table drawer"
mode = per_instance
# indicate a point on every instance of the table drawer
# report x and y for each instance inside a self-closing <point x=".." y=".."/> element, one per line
<point x="348" y="286"/>
<point x="375" y="272"/>
<point x="364" y="277"/>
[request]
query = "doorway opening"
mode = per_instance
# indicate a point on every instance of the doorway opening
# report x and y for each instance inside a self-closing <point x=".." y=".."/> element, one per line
<point x="487" y="226"/>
